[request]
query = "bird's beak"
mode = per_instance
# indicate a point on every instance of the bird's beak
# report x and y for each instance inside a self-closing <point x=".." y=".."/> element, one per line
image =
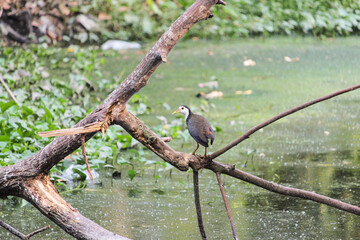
<point x="177" y="111"/>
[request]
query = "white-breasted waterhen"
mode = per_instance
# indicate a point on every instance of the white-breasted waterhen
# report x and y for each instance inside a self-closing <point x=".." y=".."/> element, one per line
<point x="198" y="126"/>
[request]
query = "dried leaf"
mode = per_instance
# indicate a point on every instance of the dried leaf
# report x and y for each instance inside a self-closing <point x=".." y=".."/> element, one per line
<point x="247" y="92"/>
<point x="103" y="16"/>
<point x="211" y="95"/>
<point x="249" y="63"/>
<point x="288" y="59"/>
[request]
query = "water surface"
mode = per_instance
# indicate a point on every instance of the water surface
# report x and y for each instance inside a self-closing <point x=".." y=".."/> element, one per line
<point x="316" y="149"/>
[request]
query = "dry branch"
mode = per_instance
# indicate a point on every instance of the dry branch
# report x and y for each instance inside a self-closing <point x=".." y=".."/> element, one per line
<point x="20" y="234"/>
<point x="230" y="170"/>
<point x="85" y="157"/>
<point x="42" y="194"/>
<point x="198" y="204"/>
<point x="9" y="91"/>
<point x="89" y="128"/>
<point x="227" y="206"/>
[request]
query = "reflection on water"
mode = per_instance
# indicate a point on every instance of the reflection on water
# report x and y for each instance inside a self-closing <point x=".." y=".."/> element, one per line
<point x="143" y="209"/>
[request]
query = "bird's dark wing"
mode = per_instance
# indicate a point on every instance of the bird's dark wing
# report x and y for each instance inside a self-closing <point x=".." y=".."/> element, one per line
<point x="204" y="131"/>
<point x="194" y="131"/>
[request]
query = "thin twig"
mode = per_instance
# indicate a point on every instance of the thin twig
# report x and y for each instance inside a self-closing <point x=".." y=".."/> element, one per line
<point x="37" y="231"/>
<point x="12" y="230"/>
<point x="197" y="204"/>
<point x="9" y="91"/>
<point x="227" y="206"/>
<point x="20" y="234"/>
<point x="86" y="160"/>
<point x="277" y="117"/>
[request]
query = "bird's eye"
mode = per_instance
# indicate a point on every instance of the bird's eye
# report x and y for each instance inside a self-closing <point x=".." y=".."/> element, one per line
<point x="182" y="108"/>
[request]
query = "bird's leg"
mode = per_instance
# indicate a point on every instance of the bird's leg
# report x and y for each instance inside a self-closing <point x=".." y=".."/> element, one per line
<point x="197" y="146"/>
<point x="205" y="153"/>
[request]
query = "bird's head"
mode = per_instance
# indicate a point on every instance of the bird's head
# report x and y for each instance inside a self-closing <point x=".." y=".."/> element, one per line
<point x="185" y="110"/>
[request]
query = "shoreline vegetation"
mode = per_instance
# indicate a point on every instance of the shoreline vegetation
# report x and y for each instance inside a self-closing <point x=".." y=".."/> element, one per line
<point x="134" y="20"/>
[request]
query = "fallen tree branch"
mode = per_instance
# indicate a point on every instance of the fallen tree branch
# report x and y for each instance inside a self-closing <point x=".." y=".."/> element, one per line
<point x="19" y="234"/>
<point x="251" y="131"/>
<point x="42" y="194"/>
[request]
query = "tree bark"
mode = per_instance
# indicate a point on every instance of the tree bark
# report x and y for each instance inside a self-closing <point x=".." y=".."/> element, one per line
<point x="198" y="204"/>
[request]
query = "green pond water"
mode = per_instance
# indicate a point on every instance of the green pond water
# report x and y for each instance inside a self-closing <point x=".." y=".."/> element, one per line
<point x="316" y="149"/>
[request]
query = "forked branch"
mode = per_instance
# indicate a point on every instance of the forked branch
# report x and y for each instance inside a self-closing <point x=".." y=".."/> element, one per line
<point x="19" y="234"/>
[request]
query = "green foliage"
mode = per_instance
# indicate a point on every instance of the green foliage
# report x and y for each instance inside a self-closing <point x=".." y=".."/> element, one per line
<point x="139" y="20"/>
<point x="54" y="90"/>
<point x="132" y="173"/>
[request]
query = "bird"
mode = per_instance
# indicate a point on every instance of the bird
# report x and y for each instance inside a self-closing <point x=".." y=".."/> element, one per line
<point x="198" y="127"/>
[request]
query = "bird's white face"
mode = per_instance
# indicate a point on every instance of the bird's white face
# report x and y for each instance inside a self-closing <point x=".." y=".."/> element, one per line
<point x="183" y="110"/>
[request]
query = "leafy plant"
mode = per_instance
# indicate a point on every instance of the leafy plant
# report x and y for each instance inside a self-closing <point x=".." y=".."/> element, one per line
<point x="139" y="20"/>
<point x="53" y="95"/>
